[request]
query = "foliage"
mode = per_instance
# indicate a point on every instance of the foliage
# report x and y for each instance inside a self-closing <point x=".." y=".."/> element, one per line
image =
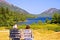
<point x="47" y="21"/>
<point x="53" y="27"/>
<point x="56" y="18"/>
<point x="9" y="17"/>
<point x="39" y="22"/>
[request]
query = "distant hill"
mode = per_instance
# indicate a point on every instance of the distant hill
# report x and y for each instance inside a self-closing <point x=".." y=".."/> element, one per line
<point x="11" y="14"/>
<point x="12" y="7"/>
<point x="49" y="12"/>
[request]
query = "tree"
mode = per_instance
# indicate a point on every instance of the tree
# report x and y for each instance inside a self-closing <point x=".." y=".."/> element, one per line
<point x="56" y="18"/>
<point x="39" y="22"/>
<point x="47" y="21"/>
<point x="8" y="17"/>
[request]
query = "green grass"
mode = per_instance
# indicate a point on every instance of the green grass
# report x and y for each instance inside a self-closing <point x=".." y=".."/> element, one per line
<point x="54" y="27"/>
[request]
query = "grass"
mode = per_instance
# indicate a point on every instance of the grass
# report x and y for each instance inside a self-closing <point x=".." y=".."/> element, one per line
<point x="54" y="27"/>
<point x="2" y="28"/>
<point x="46" y="35"/>
<point x="40" y="32"/>
<point x="4" y="35"/>
<point x="38" y="35"/>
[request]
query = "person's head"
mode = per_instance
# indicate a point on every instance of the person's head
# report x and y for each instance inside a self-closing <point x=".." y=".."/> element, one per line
<point x="15" y="26"/>
<point x="27" y="27"/>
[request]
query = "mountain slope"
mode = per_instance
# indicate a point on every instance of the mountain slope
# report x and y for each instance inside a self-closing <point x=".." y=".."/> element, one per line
<point x="12" y="7"/>
<point x="49" y="12"/>
<point x="10" y="14"/>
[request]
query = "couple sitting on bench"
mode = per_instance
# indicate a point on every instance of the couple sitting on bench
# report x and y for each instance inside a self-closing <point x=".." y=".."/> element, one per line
<point x="22" y="34"/>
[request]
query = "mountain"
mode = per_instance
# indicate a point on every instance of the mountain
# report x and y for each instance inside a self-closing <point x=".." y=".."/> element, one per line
<point x="11" y="14"/>
<point x="14" y="8"/>
<point x="3" y="3"/>
<point x="49" y="12"/>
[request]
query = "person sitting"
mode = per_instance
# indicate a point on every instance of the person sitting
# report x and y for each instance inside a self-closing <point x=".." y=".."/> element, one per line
<point x="15" y="33"/>
<point x="28" y="33"/>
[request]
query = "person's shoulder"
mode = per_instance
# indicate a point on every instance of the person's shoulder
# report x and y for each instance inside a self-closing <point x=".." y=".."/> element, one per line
<point x="28" y="30"/>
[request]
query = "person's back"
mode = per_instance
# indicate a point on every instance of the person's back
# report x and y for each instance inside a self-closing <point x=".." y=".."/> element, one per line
<point x="27" y="33"/>
<point x="15" y="33"/>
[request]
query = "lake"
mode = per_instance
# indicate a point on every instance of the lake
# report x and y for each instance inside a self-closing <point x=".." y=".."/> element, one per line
<point x="35" y="20"/>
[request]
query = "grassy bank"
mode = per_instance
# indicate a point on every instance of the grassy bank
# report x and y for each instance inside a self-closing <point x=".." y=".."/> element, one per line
<point x="53" y="27"/>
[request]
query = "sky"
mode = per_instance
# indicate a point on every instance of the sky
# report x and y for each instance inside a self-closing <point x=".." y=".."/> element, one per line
<point x="35" y="6"/>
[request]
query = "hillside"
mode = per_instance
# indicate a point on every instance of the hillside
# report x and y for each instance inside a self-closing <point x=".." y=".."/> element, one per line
<point x="49" y="12"/>
<point x="12" y="7"/>
<point x="11" y="14"/>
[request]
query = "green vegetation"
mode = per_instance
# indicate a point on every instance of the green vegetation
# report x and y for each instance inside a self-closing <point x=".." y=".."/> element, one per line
<point x="9" y="17"/>
<point x="56" y="18"/>
<point x="53" y="27"/>
<point x="47" y="21"/>
<point x="53" y="24"/>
